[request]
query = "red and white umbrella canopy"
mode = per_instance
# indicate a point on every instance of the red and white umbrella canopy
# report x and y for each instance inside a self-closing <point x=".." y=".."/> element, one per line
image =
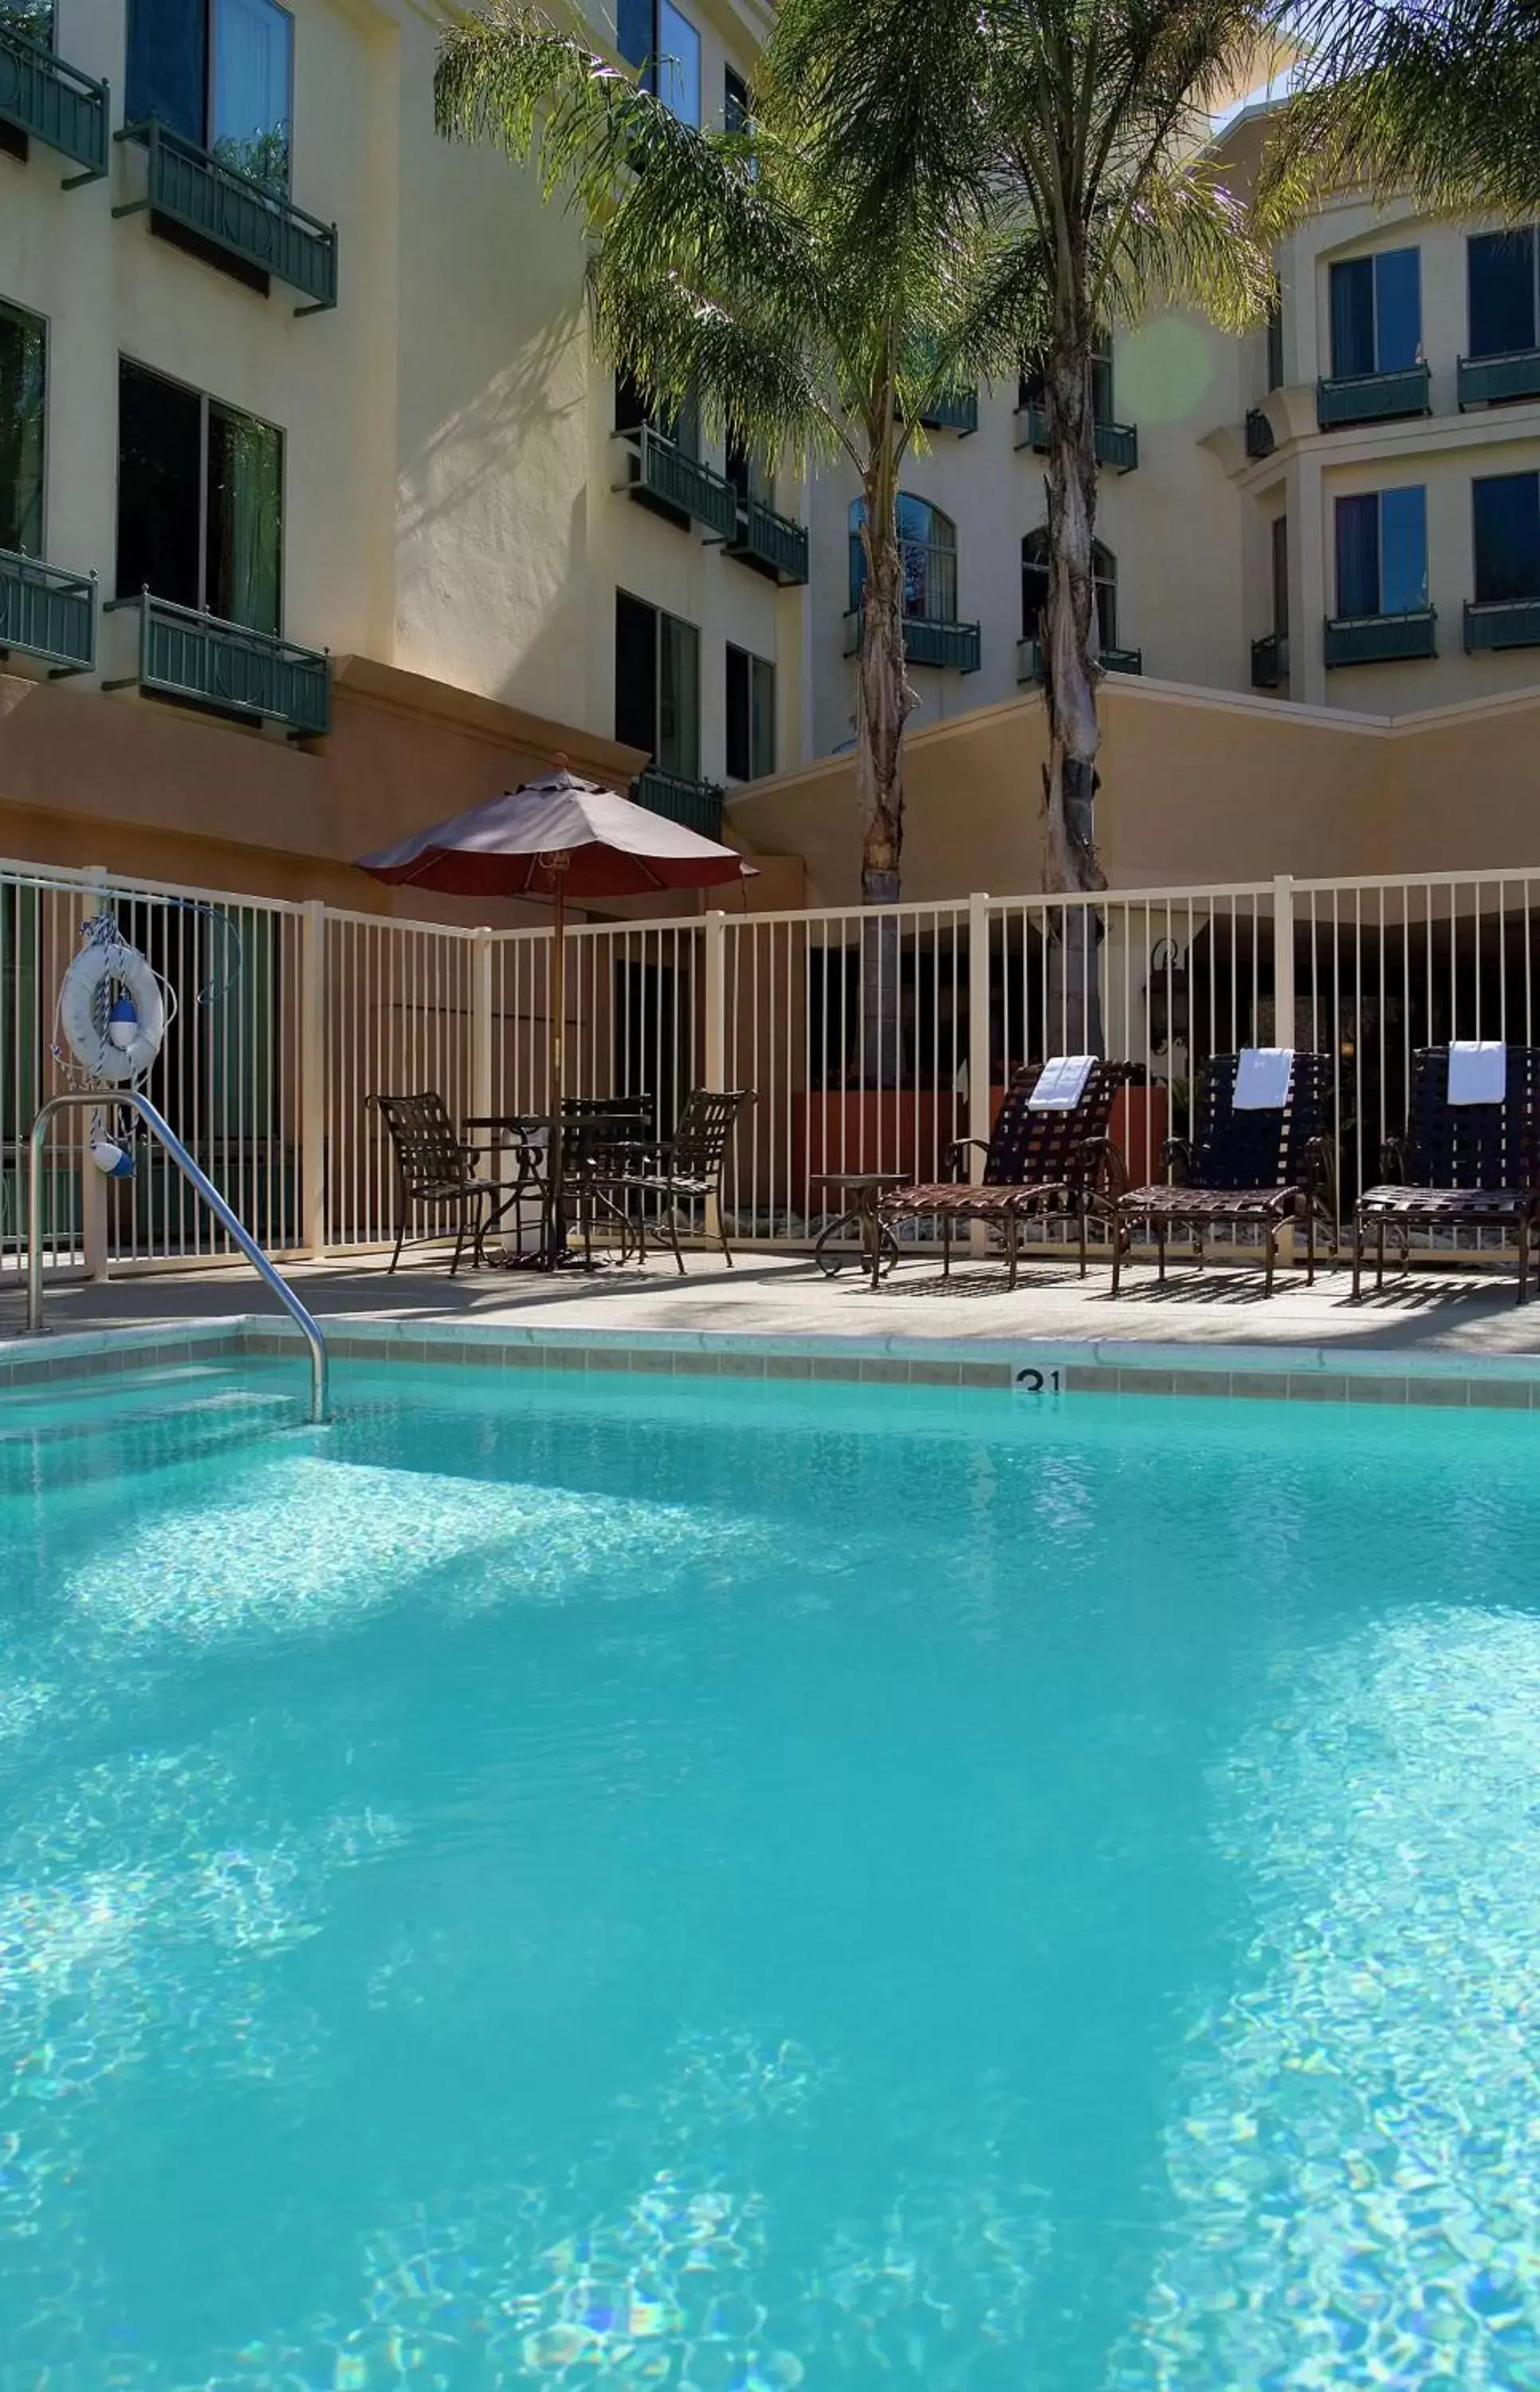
<point x="562" y="837"/>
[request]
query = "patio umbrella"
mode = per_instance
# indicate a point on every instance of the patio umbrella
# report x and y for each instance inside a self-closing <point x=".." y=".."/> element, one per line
<point x="557" y="839"/>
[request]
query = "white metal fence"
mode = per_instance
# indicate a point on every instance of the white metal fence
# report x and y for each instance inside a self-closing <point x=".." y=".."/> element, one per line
<point x="870" y="1038"/>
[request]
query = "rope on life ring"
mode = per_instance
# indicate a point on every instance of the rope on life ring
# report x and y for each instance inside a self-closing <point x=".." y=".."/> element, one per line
<point x="111" y="1010"/>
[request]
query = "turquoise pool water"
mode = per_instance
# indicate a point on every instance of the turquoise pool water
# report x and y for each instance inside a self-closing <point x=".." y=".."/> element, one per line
<point x="741" y="1886"/>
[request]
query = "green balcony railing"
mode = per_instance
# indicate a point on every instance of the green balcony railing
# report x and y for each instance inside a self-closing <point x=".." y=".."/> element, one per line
<point x="696" y="804"/>
<point x="1372" y="399"/>
<point x="229" y="669"/>
<point x="772" y="542"/>
<point x="49" y="614"/>
<point x="1029" y="665"/>
<point x="257" y="226"/>
<point x="1486" y="382"/>
<point x="1261" y="438"/>
<point x="1501" y="623"/>
<point x="43" y="97"/>
<point x="955" y="411"/>
<point x="666" y="475"/>
<point x="951" y="647"/>
<point x="1381" y="639"/>
<point x="1270" y="661"/>
<point x="1116" y="445"/>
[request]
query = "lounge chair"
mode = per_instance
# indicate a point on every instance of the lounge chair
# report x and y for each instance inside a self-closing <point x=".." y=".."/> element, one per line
<point x="1251" y="1167"/>
<point x="1038" y="1163"/>
<point x="687" y="1167"/>
<point x="1473" y="1165"/>
<point x="433" y="1167"/>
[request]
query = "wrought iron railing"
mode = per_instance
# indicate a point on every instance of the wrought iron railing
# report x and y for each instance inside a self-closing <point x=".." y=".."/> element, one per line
<point x="954" y="410"/>
<point x="1501" y="623"/>
<point x="1116" y="445"/>
<point x="668" y="476"/>
<point x="1372" y="399"/>
<point x="696" y="804"/>
<point x="250" y="222"/>
<point x="49" y="614"/>
<point x="1381" y="639"/>
<point x="44" y="96"/>
<point x="1261" y="438"/>
<point x="1270" y="660"/>
<point x="1486" y="381"/>
<point x="1030" y="662"/>
<point x="949" y="647"/>
<point x="772" y="540"/>
<point x="231" y="669"/>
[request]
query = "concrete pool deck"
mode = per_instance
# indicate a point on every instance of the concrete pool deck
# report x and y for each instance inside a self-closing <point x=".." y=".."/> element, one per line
<point x="1447" y="1330"/>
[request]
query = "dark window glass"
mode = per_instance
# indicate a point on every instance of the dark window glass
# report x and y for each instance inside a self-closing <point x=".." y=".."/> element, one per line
<point x="1501" y="271"/>
<point x="679" y="697"/>
<point x="636" y="674"/>
<point x="928" y="539"/>
<point x="1275" y="346"/>
<point x="23" y="382"/>
<point x="1100" y="387"/>
<point x="632" y="412"/>
<point x="735" y="107"/>
<point x="245" y="520"/>
<point x="168" y="65"/>
<point x="1402" y="551"/>
<point x="251" y="92"/>
<point x="679" y="64"/>
<point x="1034" y="590"/>
<point x="1397" y="309"/>
<point x="1358" y="555"/>
<point x="1505" y="520"/>
<point x="763" y="724"/>
<point x="1353" y="315"/>
<point x="1104" y="594"/>
<point x="1280" y="574"/>
<point x="160" y="488"/>
<point x="635" y="31"/>
<point x="1034" y="584"/>
<point x="750" y="715"/>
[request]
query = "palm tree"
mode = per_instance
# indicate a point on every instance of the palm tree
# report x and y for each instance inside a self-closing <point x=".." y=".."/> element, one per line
<point x="1107" y="200"/>
<point x="812" y="300"/>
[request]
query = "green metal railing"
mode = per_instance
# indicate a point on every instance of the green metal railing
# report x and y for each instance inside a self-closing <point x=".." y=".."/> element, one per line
<point x="1481" y="381"/>
<point x="696" y="804"/>
<point x="955" y="411"/>
<point x="951" y="647"/>
<point x="1116" y="445"/>
<point x="1501" y="623"/>
<point x="47" y="613"/>
<point x="671" y="478"/>
<point x="1372" y="399"/>
<point x="1030" y="664"/>
<point x="233" y="670"/>
<point x="191" y="188"/>
<point x="41" y="95"/>
<point x="1261" y="438"/>
<point x="1270" y="661"/>
<point x="775" y="541"/>
<point x="1381" y="639"/>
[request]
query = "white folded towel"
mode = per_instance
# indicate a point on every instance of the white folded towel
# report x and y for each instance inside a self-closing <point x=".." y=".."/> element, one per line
<point x="1061" y="1083"/>
<point x="1263" y="1076"/>
<point x="1477" y="1071"/>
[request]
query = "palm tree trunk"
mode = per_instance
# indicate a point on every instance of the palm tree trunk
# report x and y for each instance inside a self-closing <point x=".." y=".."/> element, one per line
<point x="884" y="702"/>
<point x="1070" y="777"/>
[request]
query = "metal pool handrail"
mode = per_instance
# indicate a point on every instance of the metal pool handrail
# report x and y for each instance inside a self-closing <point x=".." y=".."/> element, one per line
<point x="156" y="1122"/>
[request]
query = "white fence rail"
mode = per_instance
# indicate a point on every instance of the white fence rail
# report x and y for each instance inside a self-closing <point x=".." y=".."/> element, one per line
<point x="871" y="1039"/>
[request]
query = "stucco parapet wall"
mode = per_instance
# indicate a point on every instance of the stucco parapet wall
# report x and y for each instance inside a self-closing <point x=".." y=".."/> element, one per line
<point x="393" y="689"/>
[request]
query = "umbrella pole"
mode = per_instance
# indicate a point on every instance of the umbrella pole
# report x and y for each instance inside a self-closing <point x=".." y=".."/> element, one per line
<point x="556" y="1074"/>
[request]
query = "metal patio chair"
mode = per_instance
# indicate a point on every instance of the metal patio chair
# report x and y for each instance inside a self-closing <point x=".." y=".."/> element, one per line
<point x="433" y="1167"/>
<point x="1458" y="1166"/>
<point x="687" y="1167"/>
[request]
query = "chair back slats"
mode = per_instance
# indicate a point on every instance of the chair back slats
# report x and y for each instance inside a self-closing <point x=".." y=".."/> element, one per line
<point x="428" y="1154"/>
<point x="1473" y="1146"/>
<point x="698" y="1142"/>
<point x="1031" y="1149"/>
<point x="1267" y="1148"/>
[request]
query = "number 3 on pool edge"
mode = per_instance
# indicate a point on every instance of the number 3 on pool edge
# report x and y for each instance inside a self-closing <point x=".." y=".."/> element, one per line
<point x="1038" y="1383"/>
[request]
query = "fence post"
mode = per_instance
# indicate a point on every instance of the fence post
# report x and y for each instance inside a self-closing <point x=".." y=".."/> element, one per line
<point x="481" y="1024"/>
<point x="978" y="1053"/>
<point x="714" y="1056"/>
<point x="313" y="1039"/>
<point x="1283" y="997"/>
<point x="93" y="1187"/>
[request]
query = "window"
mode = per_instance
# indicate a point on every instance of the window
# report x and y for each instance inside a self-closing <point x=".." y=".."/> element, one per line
<point x="930" y="542"/>
<point x="1376" y="313"/>
<point x="1279" y="537"/>
<point x="1500" y="269"/>
<point x="633" y="412"/>
<point x="1274" y="345"/>
<point x="1030" y="389"/>
<point x="220" y="73"/>
<point x="655" y="37"/>
<point x="1034" y="590"/>
<point x="1382" y="553"/>
<point x="23" y="381"/>
<point x="200" y="501"/>
<point x="735" y="103"/>
<point x="1504" y="511"/>
<point x="657" y="685"/>
<point x="748" y="476"/>
<point x="750" y="716"/>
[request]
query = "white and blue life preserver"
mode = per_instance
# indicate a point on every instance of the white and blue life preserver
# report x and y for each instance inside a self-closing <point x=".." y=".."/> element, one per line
<point x="111" y="1010"/>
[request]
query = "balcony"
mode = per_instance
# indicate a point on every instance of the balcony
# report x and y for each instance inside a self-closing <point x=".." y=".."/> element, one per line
<point x="1030" y="664"/>
<point x="956" y="411"/>
<point x="1381" y="639"/>
<point x="696" y="804"/>
<point x="772" y="544"/>
<point x="232" y="220"/>
<point x="1488" y="381"/>
<point x="1270" y="661"/>
<point x="1260" y="439"/>
<point x="46" y="100"/>
<point x="951" y="647"/>
<point x="665" y="476"/>
<point x="1116" y="445"/>
<point x="1372" y="399"/>
<point x="1501" y="623"/>
<point x="229" y="669"/>
<point x="48" y="614"/>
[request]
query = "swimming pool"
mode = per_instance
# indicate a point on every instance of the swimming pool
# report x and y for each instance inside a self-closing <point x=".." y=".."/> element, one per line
<point x="740" y="1886"/>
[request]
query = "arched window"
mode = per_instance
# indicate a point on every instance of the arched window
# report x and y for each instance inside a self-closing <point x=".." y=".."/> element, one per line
<point x="930" y="542"/>
<point x="1029" y="392"/>
<point x="1034" y="588"/>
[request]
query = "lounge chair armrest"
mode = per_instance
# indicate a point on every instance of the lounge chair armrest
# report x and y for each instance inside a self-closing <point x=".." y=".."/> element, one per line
<point x="1176" y="1157"/>
<point x="952" y="1153"/>
<point x="1392" y="1160"/>
<point x="1102" y="1164"/>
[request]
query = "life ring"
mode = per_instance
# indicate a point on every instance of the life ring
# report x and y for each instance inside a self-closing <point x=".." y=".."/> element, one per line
<point x="111" y="1011"/>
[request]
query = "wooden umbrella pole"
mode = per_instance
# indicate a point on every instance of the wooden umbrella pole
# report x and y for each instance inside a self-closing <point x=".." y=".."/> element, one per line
<point x="557" y="1236"/>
